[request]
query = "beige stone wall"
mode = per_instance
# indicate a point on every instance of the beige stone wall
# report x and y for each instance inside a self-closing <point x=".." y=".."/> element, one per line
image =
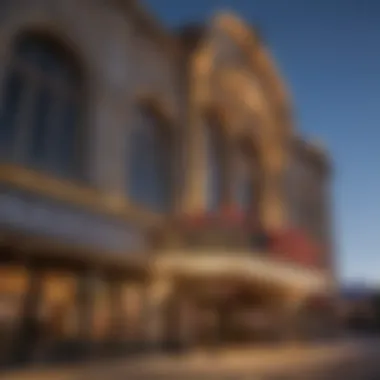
<point x="228" y="73"/>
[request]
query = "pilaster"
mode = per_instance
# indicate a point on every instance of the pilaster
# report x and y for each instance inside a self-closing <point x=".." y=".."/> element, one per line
<point x="155" y="299"/>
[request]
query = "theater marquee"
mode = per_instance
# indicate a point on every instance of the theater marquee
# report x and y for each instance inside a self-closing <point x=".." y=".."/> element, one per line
<point x="42" y="217"/>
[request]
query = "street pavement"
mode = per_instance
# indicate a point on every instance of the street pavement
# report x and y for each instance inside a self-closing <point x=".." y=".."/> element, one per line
<point x="348" y="360"/>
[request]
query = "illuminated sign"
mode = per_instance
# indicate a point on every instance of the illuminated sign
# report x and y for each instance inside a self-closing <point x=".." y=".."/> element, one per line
<point x="47" y="218"/>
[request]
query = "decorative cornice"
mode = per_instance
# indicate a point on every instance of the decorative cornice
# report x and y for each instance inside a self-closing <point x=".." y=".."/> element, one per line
<point x="253" y="45"/>
<point x="149" y="24"/>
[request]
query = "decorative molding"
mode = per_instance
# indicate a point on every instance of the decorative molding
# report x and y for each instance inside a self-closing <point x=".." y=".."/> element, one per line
<point x="75" y="194"/>
<point x="245" y="267"/>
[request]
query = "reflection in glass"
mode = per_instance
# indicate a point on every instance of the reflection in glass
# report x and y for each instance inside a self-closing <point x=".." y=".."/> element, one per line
<point x="67" y="160"/>
<point x="10" y="109"/>
<point x="149" y="164"/>
<point x="40" y="128"/>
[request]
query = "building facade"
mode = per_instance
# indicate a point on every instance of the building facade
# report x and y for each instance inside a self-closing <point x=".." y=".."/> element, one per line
<point x="154" y="193"/>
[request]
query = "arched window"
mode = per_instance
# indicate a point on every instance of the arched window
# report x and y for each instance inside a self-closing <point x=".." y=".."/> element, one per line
<point x="214" y="166"/>
<point x="42" y="104"/>
<point x="246" y="178"/>
<point x="149" y="174"/>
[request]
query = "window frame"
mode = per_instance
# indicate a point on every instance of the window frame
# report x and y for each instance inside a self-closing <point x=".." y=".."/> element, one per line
<point x="213" y="128"/>
<point x="245" y="153"/>
<point x="62" y="95"/>
<point x="150" y="107"/>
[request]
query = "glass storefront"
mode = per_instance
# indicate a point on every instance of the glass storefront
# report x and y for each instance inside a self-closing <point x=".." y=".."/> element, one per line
<point x="13" y="284"/>
<point x="57" y="315"/>
<point x="55" y="318"/>
<point x="133" y="305"/>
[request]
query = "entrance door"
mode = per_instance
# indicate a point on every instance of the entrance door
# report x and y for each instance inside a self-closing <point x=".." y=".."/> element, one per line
<point x="208" y="332"/>
<point x="37" y="315"/>
<point x="58" y="317"/>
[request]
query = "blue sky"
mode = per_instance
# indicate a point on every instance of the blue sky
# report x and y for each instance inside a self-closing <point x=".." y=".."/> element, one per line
<point x="328" y="51"/>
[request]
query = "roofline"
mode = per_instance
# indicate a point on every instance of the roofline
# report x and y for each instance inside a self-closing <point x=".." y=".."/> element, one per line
<point x="150" y="25"/>
<point x="313" y="152"/>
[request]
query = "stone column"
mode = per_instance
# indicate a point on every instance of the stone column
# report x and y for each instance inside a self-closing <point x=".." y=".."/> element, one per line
<point x="134" y="303"/>
<point x="116" y="309"/>
<point x="30" y="329"/>
<point x="186" y="323"/>
<point x="87" y="286"/>
<point x="290" y="319"/>
<point x="156" y="295"/>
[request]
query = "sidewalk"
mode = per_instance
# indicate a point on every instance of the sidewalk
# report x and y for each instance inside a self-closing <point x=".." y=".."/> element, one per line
<point x="209" y="364"/>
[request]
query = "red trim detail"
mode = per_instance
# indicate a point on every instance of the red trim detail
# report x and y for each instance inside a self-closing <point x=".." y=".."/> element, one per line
<point x="297" y="246"/>
<point x="229" y="215"/>
<point x="289" y="244"/>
